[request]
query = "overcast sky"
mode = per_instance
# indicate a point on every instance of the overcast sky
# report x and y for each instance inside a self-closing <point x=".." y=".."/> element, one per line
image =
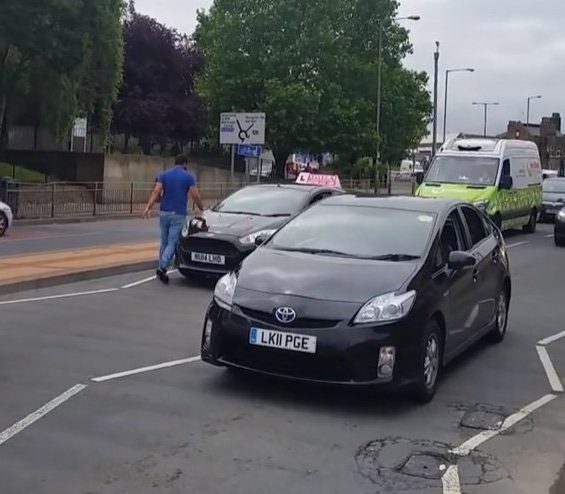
<point x="517" y="48"/>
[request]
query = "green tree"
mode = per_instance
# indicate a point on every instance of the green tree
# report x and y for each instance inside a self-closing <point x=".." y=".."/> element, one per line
<point x="58" y="59"/>
<point x="311" y="66"/>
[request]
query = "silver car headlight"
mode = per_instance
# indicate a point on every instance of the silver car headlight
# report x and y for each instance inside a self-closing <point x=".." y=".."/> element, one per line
<point x="561" y="214"/>
<point x="386" y="308"/>
<point x="225" y="290"/>
<point x="250" y="239"/>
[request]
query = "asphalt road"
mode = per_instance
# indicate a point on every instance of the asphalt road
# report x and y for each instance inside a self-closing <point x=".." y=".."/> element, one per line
<point x="193" y="428"/>
<point x="30" y="239"/>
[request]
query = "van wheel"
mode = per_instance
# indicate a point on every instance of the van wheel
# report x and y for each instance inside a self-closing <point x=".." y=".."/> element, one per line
<point x="532" y="223"/>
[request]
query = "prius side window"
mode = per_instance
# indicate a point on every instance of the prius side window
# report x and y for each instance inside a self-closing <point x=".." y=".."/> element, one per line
<point x="476" y="226"/>
<point x="449" y="241"/>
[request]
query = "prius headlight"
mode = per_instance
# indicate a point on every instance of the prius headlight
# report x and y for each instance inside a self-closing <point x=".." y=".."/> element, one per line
<point x="184" y="231"/>
<point x="561" y="214"/>
<point x="250" y="239"/>
<point x="482" y="205"/>
<point x="224" y="291"/>
<point x="386" y="308"/>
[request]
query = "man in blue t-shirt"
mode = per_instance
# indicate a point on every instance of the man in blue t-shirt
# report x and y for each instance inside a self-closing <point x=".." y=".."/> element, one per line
<point x="173" y="187"/>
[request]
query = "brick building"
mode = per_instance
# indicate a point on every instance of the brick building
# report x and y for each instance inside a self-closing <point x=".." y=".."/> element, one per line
<point x="547" y="135"/>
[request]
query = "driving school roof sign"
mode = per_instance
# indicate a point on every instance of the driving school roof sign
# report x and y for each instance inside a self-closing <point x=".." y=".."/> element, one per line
<point x="242" y="128"/>
<point x="315" y="179"/>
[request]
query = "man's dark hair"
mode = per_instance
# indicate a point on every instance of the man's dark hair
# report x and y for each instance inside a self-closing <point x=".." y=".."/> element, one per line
<point x="181" y="160"/>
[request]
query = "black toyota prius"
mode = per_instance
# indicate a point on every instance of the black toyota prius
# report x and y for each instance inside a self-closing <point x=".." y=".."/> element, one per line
<point x="235" y="223"/>
<point x="364" y="291"/>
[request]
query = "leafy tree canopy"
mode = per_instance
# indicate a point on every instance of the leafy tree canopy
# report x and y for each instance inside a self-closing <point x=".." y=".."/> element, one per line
<point x="157" y="101"/>
<point x="60" y="59"/>
<point x="311" y="66"/>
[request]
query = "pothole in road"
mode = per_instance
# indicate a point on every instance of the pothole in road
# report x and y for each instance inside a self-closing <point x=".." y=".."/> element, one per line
<point x="485" y="417"/>
<point x="482" y="419"/>
<point x="399" y="464"/>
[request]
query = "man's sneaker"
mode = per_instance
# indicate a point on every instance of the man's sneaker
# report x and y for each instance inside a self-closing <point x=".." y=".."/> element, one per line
<point x="163" y="277"/>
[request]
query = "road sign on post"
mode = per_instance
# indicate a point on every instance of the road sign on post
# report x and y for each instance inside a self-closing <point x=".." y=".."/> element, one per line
<point x="249" y="151"/>
<point x="242" y="128"/>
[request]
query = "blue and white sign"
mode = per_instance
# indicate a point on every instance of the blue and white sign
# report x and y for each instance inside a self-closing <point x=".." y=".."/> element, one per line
<point x="242" y="128"/>
<point x="249" y="151"/>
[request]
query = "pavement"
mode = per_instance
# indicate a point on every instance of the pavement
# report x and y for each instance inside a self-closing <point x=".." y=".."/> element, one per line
<point x="102" y="392"/>
<point x="35" y="256"/>
<point x="33" y="238"/>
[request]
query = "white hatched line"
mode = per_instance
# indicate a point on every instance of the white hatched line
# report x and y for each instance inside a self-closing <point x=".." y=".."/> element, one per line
<point x="54" y="297"/>
<point x="39" y="413"/>
<point x="552" y="339"/>
<point x="450" y="480"/>
<point x="550" y="371"/>
<point x="142" y="370"/>
<point x="510" y="421"/>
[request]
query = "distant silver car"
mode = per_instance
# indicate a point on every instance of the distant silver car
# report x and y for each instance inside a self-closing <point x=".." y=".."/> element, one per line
<point x="6" y="218"/>
<point x="553" y="198"/>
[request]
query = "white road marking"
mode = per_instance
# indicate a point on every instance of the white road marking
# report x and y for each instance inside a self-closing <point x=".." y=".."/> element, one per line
<point x="146" y="280"/>
<point x="550" y="371"/>
<point x="517" y="244"/>
<point x="39" y="413"/>
<point x="450" y="481"/>
<point x="510" y="421"/>
<point x="141" y="370"/>
<point x="550" y="236"/>
<point x="54" y="297"/>
<point x="137" y="283"/>
<point x="552" y="339"/>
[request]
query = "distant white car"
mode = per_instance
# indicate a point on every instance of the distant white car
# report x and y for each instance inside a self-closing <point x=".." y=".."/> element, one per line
<point x="6" y="218"/>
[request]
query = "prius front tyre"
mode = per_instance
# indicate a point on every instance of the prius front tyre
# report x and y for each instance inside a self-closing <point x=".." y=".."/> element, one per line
<point x="499" y="331"/>
<point x="429" y="364"/>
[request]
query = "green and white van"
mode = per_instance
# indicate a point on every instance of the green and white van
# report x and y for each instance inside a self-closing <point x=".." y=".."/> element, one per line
<point x="502" y="177"/>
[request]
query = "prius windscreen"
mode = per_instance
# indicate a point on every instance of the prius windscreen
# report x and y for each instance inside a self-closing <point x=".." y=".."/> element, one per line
<point x="357" y="232"/>
<point x="468" y="170"/>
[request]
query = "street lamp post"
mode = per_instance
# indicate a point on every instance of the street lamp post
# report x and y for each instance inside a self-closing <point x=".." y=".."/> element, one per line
<point x="447" y="72"/>
<point x="486" y="105"/>
<point x="379" y="96"/>
<point x="530" y="98"/>
<point x="436" y="68"/>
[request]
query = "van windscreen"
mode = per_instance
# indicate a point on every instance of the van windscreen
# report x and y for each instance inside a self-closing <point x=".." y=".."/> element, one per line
<point x="468" y="170"/>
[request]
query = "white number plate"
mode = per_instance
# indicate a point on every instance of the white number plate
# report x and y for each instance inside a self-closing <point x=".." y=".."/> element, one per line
<point x="282" y="341"/>
<point x="208" y="258"/>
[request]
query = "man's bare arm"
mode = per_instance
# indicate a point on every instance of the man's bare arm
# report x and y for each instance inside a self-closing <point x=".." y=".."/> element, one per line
<point x="153" y="198"/>
<point x="194" y="194"/>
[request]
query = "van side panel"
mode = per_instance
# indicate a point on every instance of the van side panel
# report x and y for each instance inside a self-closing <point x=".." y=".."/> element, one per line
<point x="517" y="204"/>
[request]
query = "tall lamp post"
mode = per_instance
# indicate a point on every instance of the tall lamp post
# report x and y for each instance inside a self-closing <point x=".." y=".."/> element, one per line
<point x="447" y="72"/>
<point x="486" y="105"/>
<point x="379" y="97"/>
<point x="436" y="68"/>
<point x="530" y="98"/>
